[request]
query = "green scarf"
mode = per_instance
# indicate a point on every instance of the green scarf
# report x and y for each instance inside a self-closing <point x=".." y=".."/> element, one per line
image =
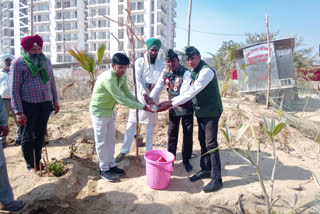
<point x="34" y="69"/>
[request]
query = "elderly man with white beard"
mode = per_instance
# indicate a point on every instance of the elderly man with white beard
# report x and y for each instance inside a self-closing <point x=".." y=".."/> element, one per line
<point x="33" y="97"/>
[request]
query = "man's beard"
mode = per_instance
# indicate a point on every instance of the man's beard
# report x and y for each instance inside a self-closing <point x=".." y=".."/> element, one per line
<point x="37" y="60"/>
<point x="153" y="60"/>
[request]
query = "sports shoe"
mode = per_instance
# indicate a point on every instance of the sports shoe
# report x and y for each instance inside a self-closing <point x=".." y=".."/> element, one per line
<point x="109" y="176"/>
<point x="117" y="170"/>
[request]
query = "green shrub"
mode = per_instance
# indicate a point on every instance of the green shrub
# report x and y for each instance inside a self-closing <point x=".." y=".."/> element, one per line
<point x="56" y="168"/>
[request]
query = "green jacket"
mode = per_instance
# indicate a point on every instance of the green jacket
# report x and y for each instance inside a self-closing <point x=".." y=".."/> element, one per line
<point x="208" y="102"/>
<point x="108" y="91"/>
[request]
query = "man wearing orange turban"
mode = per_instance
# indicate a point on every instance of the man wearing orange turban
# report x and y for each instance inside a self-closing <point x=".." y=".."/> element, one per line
<point x="33" y="97"/>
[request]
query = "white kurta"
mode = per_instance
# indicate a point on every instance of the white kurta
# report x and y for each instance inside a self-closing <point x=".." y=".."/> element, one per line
<point x="145" y="74"/>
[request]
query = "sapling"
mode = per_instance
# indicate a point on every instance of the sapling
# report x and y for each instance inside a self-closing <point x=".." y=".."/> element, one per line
<point x="271" y="130"/>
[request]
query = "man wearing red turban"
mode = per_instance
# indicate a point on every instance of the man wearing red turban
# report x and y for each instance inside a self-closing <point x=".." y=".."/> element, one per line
<point x="29" y="41"/>
<point x="33" y="97"/>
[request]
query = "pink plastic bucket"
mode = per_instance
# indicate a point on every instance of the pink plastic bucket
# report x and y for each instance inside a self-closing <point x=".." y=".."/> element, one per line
<point x="158" y="168"/>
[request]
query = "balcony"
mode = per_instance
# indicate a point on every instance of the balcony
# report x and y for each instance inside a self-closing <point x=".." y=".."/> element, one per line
<point x="162" y="9"/>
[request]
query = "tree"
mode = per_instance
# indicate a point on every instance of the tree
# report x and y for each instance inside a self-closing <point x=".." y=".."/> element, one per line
<point x="224" y="62"/>
<point x="88" y="63"/>
<point x="259" y="37"/>
<point x="302" y="57"/>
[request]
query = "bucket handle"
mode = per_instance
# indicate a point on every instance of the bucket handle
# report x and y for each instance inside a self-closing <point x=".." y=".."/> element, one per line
<point x="159" y="166"/>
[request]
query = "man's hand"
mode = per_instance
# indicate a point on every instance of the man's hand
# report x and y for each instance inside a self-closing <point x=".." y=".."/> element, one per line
<point x="148" y="99"/>
<point x="152" y="86"/>
<point x="164" y="106"/>
<point x="56" y="108"/>
<point x="21" y="119"/>
<point x="148" y="108"/>
<point x="4" y="131"/>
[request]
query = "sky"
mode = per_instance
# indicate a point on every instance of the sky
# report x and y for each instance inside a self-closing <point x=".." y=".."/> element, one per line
<point x="220" y="18"/>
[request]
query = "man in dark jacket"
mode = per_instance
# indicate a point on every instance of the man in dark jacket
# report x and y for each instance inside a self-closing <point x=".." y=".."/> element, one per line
<point x="177" y="80"/>
<point x="207" y="105"/>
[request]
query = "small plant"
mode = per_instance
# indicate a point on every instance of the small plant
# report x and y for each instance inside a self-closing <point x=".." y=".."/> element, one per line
<point x="271" y="130"/>
<point x="56" y="168"/>
<point x="88" y="62"/>
<point x="72" y="149"/>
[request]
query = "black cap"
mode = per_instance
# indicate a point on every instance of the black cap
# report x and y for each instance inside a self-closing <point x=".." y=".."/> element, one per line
<point x="171" y="54"/>
<point x="191" y="51"/>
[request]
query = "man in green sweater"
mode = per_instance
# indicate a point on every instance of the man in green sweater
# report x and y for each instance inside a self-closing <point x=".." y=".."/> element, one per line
<point x="110" y="88"/>
<point x="207" y="105"/>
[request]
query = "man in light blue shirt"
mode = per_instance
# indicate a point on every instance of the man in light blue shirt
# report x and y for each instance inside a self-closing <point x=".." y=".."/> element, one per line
<point x="6" y="195"/>
<point x="5" y="62"/>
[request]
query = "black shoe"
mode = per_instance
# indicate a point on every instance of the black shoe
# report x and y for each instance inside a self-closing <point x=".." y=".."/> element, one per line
<point x="187" y="166"/>
<point x="212" y="186"/>
<point x="117" y="170"/>
<point x="201" y="174"/>
<point x="4" y="145"/>
<point x="109" y="176"/>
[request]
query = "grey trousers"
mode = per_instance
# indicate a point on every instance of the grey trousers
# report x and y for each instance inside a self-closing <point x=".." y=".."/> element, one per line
<point x="6" y="194"/>
<point x="7" y="103"/>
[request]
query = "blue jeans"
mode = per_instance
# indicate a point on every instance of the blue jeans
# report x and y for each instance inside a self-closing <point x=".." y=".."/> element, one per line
<point x="6" y="194"/>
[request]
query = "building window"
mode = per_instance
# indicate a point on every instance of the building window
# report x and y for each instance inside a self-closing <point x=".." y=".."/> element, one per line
<point x="102" y="35"/>
<point x="59" y="26"/>
<point x="59" y="48"/>
<point x="120" y="20"/>
<point x="46" y="48"/>
<point x="141" y="30"/>
<point x="45" y="38"/>
<point x="102" y="11"/>
<point x="92" y="35"/>
<point x="102" y="23"/>
<point x="67" y="58"/>
<point x="42" y="28"/>
<point x="58" y="4"/>
<point x="120" y="47"/>
<point x="133" y="18"/>
<point x="59" y="37"/>
<point x="58" y="16"/>
<point x="120" y="34"/>
<point x="60" y="58"/>
<point x="140" y="6"/>
<point x="139" y="18"/>
<point x="133" y="5"/>
<point x="120" y="9"/>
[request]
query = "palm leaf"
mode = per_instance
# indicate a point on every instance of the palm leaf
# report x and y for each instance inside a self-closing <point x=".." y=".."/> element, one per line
<point x="100" y="53"/>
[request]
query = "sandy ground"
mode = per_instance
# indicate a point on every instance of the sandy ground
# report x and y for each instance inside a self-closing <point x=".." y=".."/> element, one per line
<point x="81" y="190"/>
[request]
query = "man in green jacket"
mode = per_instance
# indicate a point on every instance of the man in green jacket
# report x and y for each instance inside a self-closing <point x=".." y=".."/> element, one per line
<point x="207" y="105"/>
<point x="110" y="88"/>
